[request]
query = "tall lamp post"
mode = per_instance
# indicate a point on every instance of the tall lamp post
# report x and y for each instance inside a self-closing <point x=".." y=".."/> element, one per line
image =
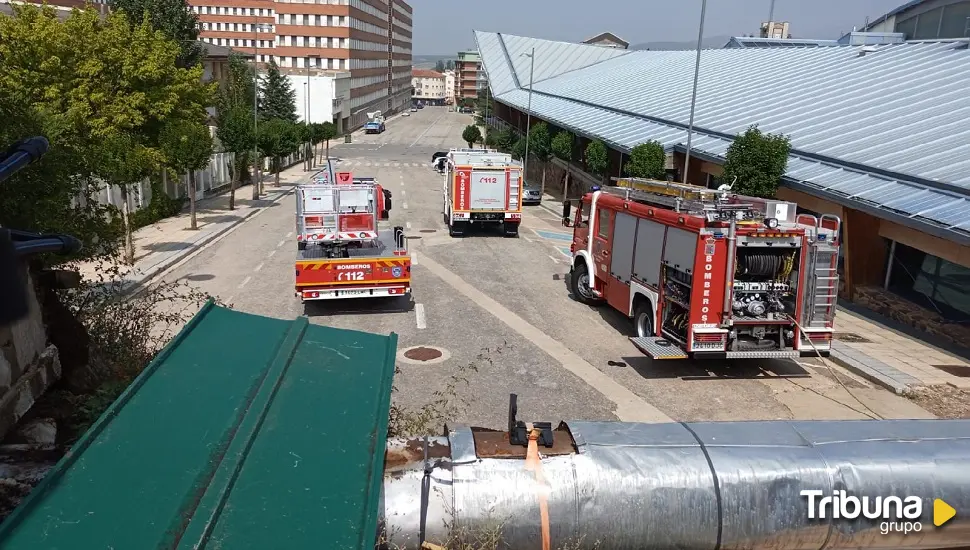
<point x="528" y="119"/>
<point x="693" y="95"/>
<point x="257" y="27"/>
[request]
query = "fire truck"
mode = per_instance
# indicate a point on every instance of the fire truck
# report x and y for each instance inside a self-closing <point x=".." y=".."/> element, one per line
<point x="482" y="186"/>
<point x="341" y="251"/>
<point x="707" y="273"/>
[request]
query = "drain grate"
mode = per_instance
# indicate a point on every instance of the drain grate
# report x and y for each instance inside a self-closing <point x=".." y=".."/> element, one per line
<point x="851" y="338"/>
<point x="427" y="231"/>
<point x="960" y="371"/>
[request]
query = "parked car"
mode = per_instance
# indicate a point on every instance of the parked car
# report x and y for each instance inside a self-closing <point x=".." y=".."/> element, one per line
<point x="414" y="109"/>
<point x="531" y="195"/>
<point x="405" y="113"/>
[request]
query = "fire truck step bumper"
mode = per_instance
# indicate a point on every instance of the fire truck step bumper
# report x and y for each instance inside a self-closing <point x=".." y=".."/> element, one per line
<point x="658" y="348"/>
<point x="766" y="354"/>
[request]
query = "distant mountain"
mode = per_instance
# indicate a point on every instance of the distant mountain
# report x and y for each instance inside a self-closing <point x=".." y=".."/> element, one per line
<point x="708" y="42"/>
<point x="429" y="61"/>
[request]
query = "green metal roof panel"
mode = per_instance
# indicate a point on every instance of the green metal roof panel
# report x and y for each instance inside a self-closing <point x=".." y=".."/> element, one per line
<point x="246" y="432"/>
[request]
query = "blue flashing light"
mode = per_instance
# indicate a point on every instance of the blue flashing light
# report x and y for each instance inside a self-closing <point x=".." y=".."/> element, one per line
<point x="596" y="188"/>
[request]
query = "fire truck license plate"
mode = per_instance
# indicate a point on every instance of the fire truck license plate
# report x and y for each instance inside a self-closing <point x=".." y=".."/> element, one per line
<point x="352" y="292"/>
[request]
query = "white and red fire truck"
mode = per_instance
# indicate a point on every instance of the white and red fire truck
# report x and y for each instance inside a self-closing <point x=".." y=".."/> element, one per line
<point x="482" y="186"/>
<point x="342" y="253"/>
<point x="705" y="273"/>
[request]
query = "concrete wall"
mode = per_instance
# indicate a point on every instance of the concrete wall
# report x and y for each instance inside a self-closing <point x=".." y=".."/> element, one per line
<point x="28" y="365"/>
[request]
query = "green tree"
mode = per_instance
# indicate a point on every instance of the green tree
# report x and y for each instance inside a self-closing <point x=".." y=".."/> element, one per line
<point x="758" y="161"/>
<point x="278" y="99"/>
<point x="647" y="161"/>
<point x="323" y="132"/>
<point x="540" y="148"/>
<point x="505" y="139"/>
<point x="174" y="18"/>
<point x="562" y="146"/>
<point x="440" y="66"/>
<point x="518" y="149"/>
<point x="597" y="158"/>
<point x="471" y="135"/>
<point x="187" y="147"/>
<point x="278" y="138"/>
<point x="234" y="119"/>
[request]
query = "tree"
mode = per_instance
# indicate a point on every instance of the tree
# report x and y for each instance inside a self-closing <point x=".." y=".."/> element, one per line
<point x="440" y="66"/>
<point x="518" y="149"/>
<point x="471" y="135"/>
<point x="540" y="148"/>
<point x="758" y="161"/>
<point x="647" y="160"/>
<point x="278" y="138"/>
<point x="174" y="18"/>
<point x="278" y="99"/>
<point x="324" y="132"/>
<point x="234" y="119"/>
<point x="562" y="149"/>
<point x="187" y="147"/>
<point x="124" y="160"/>
<point x="597" y="158"/>
<point x="505" y="140"/>
<point x="450" y="65"/>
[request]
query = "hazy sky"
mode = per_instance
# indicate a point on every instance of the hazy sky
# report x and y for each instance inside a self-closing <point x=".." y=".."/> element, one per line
<point x="445" y="26"/>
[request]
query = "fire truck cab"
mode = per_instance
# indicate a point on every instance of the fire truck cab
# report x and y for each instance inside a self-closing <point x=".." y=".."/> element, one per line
<point x="707" y="274"/>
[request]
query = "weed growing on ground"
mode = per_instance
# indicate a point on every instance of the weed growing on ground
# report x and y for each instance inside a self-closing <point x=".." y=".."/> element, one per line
<point x="445" y="404"/>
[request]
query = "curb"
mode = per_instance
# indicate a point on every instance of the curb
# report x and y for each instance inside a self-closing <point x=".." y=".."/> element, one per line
<point x="196" y="247"/>
<point x="868" y="373"/>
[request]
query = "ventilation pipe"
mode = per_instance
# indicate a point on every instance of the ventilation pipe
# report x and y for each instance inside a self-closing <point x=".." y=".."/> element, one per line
<point x="612" y="485"/>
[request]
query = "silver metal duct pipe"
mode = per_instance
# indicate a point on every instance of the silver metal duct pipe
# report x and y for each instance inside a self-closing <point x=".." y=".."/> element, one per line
<point x="693" y="485"/>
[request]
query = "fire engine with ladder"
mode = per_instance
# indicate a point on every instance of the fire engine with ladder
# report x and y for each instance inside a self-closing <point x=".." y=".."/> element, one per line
<point x="341" y="251"/>
<point x="482" y="186"/>
<point x="707" y="273"/>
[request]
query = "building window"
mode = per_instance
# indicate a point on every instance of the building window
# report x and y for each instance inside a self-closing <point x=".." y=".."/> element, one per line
<point x="932" y="282"/>
<point x="603" y="224"/>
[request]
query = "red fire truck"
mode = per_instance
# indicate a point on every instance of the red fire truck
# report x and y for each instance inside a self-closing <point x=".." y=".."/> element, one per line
<point x="482" y="186"/>
<point x="341" y="251"/>
<point x="705" y="273"/>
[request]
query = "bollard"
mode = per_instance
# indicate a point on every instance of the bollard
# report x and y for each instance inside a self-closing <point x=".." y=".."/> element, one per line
<point x="566" y="209"/>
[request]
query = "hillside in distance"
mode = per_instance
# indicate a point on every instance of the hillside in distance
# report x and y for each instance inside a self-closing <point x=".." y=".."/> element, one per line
<point x="708" y="42"/>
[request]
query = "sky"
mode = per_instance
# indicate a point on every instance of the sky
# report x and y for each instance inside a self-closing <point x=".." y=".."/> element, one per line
<point x="442" y="27"/>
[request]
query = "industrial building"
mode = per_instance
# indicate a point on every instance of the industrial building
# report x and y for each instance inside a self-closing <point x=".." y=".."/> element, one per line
<point x="926" y="20"/>
<point x="878" y="138"/>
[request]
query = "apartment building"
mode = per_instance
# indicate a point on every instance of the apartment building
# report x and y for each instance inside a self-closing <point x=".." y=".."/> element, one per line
<point x="469" y="76"/>
<point x="429" y="87"/>
<point x="449" y="87"/>
<point x="369" y="39"/>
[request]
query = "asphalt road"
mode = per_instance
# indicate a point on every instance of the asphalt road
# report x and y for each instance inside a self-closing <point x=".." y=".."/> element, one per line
<point x="502" y="305"/>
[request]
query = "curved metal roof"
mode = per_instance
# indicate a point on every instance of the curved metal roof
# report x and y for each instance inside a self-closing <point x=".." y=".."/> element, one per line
<point x="880" y="127"/>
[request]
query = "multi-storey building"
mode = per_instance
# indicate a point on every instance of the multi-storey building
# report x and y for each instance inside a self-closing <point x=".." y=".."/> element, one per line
<point x="449" y="86"/>
<point x="429" y="86"/>
<point x="369" y="39"/>
<point x="469" y="77"/>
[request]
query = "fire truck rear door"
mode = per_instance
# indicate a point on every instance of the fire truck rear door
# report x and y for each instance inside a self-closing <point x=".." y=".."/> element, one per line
<point x="601" y="243"/>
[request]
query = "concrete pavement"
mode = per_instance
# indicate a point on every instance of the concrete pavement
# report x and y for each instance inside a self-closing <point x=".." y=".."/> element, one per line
<point x="502" y="305"/>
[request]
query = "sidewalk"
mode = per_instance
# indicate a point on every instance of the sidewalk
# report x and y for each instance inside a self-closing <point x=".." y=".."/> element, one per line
<point x="165" y="243"/>
<point x="878" y="353"/>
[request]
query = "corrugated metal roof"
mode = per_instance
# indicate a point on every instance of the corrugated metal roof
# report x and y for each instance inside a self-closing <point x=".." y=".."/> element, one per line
<point x="245" y="433"/>
<point x="892" y="116"/>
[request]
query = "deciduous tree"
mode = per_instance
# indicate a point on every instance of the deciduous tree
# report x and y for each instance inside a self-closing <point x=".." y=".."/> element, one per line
<point x="647" y="161"/>
<point x="234" y="119"/>
<point x="324" y="132"/>
<point x="471" y="135"/>
<point x="758" y="161"/>
<point x="187" y="147"/>
<point x="277" y="139"/>
<point x="540" y="148"/>
<point x="174" y="18"/>
<point x="562" y="149"/>
<point x="518" y="149"/>
<point x="597" y="158"/>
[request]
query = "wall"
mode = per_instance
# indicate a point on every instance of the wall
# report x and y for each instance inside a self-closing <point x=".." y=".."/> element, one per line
<point x="321" y="97"/>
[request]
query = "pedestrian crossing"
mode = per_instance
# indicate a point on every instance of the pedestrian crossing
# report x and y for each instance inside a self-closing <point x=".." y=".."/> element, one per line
<point x="352" y="162"/>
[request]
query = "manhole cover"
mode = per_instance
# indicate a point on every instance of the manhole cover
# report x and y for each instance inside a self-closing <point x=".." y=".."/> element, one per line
<point x="423" y="355"/>
<point x="428" y="230"/>
<point x="851" y="338"/>
<point x="960" y="371"/>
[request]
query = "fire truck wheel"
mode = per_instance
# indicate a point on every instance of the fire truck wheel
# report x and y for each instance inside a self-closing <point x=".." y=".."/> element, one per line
<point x="643" y="319"/>
<point x="579" y="281"/>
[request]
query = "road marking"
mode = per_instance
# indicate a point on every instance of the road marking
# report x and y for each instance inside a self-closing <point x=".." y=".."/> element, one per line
<point x="366" y="164"/>
<point x="281" y="243"/>
<point x="387" y="164"/>
<point x="426" y="130"/>
<point x="258" y="267"/>
<point x="271" y="252"/>
<point x="246" y="280"/>
<point x="405" y="205"/>
<point x="408" y="225"/>
<point x="229" y="300"/>
<point x="528" y="239"/>
<point x="419" y="316"/>
<point x="629" y="406"/>
<point x="551" y="257"/>
<point x="403" y="192"/>
<point x="414" y="258"/>
<point x="290" y="234"/>
<point x="397" y="164"/>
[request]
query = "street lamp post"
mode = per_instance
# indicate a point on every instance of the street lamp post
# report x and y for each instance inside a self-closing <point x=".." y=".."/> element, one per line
<point x="309" y="144"/>
<point x="257" y="26"/>
<point x="528" y="119"/>
<point x="693" y="95"/>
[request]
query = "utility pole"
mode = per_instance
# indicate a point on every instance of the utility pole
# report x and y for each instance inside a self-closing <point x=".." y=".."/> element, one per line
<point x="771" y="12"/>
<point x="309" y="155"/>
<point x="528" y="120"/>
<point x="693" y="95"/>
<point x="257" y="179"/>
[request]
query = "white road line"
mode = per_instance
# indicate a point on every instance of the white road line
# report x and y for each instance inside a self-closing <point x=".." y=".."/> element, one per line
<point x="630" y="407"/>
<point x="387" y="164"/>
<point x="281" y="243"/>
<point x="229" y="300"/>
<point x="397" y="164"/>
<point x="246" y="280"/>
<point x="419" y="316"/>
<point x="528" y="239"/>
<point x="407" y="225"/>
<point x="426" y="130"/>
<point x="405" y="205"/>
<point x="290" y="234"/>
<point x="403" y="192"/>
<point x="414" y="258"/>
<point x="553" y="259"/>
<point x="258" y="267"/>
<point x="271" y="253"/>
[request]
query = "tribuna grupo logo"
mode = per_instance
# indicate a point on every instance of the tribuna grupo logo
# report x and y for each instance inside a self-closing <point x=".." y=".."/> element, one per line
<point x="894" y="514"/>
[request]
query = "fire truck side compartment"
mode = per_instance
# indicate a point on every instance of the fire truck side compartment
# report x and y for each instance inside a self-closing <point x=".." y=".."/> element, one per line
<point x="624" y="239"/>
<point x="680" y="249"/>
<point x="650" y="247"/>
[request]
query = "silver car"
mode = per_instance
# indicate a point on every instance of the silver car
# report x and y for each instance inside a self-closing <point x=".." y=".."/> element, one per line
<point x="531" y="195"/>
